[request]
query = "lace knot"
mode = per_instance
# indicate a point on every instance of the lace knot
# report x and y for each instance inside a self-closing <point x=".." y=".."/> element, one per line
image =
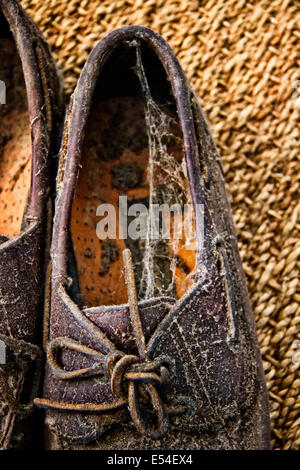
<point x="133" y="379"/>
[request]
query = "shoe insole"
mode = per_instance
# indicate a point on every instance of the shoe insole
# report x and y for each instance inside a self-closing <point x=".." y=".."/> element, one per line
<point x="120" y="157"/>
<point x="15" y="142"/>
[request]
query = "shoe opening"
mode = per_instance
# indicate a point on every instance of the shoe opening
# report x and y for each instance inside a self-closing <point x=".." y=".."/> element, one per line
<point x="15" y="138"/>
<point x="132" y="190"/>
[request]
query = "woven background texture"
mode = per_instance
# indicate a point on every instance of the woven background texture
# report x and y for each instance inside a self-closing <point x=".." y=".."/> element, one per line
<point x="243" y="60"/>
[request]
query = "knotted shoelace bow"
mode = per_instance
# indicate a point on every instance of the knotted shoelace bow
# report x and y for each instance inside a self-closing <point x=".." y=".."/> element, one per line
<point x="142" y="375"/>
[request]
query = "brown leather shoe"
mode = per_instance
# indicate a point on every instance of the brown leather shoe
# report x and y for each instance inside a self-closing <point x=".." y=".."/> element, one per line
<point x="30" y="111"/>
<point x="155" y="349"/>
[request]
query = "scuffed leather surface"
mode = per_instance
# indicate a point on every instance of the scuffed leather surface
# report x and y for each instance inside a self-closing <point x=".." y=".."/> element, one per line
<point x="220" y="383"/>
<point x="20" y="279"/>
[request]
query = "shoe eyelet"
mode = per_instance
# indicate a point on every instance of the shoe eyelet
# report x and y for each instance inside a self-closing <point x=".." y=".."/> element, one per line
<point x="185" y="417"/>
<point x="168" y="363"/>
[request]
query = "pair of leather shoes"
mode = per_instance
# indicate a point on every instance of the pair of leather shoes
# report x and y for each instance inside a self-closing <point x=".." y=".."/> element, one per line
<point x="149" y="341"/>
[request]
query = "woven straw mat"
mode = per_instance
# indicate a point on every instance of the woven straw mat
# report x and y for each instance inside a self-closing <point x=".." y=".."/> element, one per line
<point x="243" y="60"/>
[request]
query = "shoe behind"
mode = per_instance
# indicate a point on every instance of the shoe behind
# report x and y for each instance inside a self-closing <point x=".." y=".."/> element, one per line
<point x="31" y="112"/>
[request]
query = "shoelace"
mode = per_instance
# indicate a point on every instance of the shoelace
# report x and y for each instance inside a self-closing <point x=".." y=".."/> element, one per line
<point x="142" y="375"/>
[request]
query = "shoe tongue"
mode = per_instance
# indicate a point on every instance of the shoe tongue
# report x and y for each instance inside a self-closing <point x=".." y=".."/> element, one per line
<point x="115" y="322"/>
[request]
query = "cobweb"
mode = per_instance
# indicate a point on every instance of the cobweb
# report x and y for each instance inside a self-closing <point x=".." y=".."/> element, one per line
<point x="166" y="174"/>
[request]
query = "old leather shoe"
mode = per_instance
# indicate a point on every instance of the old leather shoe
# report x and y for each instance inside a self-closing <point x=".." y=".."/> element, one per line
<point x="151" y="342"/>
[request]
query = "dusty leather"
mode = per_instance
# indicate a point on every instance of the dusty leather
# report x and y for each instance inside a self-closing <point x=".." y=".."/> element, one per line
<point x="23" y="257"/>
<point x="208" y="336"/>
